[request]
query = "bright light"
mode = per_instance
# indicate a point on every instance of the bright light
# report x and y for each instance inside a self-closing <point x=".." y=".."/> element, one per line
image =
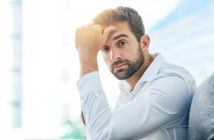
<point x="50" y="61"/>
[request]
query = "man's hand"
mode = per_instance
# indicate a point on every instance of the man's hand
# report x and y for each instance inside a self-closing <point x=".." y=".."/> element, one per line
<point x="82" y="118"/>
<point x="89" y="40"/>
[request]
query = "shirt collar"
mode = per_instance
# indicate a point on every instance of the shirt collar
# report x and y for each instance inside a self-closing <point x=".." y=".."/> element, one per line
<point x="150" y="72"/>
<point x="153" y="68"/>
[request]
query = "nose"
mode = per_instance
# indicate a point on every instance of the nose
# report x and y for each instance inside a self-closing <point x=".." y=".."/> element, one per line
<point x="115" y="55"/>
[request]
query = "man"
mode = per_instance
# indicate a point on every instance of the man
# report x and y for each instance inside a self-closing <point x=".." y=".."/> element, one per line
<point x="155" y="96"/>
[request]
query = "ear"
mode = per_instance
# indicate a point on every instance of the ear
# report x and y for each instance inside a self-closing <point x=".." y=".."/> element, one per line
<point x="144" y="42"/>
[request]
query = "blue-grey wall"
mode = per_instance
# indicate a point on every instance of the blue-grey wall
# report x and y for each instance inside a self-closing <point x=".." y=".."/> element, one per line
<point x="186" y="37"/>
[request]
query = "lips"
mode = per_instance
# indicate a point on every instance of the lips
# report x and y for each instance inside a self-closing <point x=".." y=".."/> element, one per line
<point x="118" y="66"/>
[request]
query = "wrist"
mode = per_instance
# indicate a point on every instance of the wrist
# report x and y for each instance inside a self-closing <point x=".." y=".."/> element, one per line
<point x="88" y="64"/>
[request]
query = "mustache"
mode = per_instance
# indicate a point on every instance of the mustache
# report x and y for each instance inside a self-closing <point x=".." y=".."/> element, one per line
<point x="119" y="62"/>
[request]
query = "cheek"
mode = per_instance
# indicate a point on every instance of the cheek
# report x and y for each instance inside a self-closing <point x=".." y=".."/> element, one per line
<point x="133" y="52"/>
<point x="128" y="54"/>
<point x="107" y="59"/>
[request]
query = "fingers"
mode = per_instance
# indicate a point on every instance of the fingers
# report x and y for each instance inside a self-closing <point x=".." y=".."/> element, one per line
<point x="91" y="37"/>
<point x="88" y="35"/>
<point x="107" y="31"/>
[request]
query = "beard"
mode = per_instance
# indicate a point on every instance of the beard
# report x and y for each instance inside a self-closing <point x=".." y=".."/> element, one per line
<point x="133" y="66"/>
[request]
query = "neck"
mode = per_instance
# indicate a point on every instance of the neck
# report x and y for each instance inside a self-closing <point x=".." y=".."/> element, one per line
<point x="137" y="75"/>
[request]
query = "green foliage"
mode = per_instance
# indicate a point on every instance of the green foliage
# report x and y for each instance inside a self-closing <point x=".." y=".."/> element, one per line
<point x="75" y="130"/>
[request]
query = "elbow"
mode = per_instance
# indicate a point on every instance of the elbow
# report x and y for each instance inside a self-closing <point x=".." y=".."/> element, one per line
<point x="101" y="134"/>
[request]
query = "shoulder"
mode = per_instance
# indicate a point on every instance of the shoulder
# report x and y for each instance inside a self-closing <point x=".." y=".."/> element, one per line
<point x="177" y="75"/>
<point x="172" y="85"/>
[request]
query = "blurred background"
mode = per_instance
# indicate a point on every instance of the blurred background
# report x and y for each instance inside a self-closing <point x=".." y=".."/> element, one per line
<point x="39" y="65"/>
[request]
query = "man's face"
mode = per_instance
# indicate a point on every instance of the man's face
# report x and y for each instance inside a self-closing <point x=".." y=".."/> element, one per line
<point x="122" y="52"/>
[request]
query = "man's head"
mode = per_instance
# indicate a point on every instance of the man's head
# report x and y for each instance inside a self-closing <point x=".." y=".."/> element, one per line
<point x="122" y="14"/>
<point x="123" y="51"/>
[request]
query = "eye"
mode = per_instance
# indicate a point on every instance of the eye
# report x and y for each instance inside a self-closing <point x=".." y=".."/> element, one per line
<point x="122" y="43"/>
<point x="105" y="49"/>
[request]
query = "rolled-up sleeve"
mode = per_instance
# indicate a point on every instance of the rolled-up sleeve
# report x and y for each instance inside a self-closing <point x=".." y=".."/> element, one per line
<point x="164" y="103"/>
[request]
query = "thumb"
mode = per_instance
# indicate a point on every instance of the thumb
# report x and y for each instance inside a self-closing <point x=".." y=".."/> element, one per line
<point x="107" y="32"/>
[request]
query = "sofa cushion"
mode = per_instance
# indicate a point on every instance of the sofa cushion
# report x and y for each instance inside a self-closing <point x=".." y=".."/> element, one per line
<point x="201" y="119"/>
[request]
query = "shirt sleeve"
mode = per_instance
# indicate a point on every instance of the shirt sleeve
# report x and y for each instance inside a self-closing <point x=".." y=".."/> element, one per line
<point x="164" y="103"/>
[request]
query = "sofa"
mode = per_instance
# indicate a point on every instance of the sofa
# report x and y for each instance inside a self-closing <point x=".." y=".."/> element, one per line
<point x="201" y="119"/>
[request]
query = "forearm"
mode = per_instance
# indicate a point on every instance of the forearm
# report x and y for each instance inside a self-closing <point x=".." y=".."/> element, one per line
<point x="88" y="64"/>
<point x="94" y="106"/>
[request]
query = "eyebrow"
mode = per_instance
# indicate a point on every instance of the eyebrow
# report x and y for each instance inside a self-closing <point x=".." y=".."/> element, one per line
<point x="119" y="36"/>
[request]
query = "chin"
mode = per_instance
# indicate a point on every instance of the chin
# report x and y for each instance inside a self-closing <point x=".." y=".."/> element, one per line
<point x="120" y="77"/>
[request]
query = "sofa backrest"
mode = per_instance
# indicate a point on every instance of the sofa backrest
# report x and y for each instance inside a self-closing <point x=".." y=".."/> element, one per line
<point x="201" y="119"/>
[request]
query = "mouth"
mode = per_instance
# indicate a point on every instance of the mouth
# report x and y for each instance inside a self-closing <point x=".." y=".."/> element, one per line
<point x="116" y="67"/>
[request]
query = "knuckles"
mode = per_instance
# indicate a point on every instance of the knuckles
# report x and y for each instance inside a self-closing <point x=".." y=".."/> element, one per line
<point x="88" y="33"/>
<point x="91" y="37"/>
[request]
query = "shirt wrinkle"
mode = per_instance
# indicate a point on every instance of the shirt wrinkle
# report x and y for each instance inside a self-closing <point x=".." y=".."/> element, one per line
<point x="156" y="109"/>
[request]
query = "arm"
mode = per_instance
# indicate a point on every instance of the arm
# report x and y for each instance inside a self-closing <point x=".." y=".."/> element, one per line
<point x="160" y="107"/>
<point x="88" y="41"/>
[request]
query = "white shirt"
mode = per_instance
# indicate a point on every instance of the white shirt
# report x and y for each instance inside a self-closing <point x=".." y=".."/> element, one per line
<point x="156" y="109"/>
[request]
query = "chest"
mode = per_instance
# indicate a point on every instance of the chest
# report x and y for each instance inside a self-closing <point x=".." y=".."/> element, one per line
<point x="127" y="96"/>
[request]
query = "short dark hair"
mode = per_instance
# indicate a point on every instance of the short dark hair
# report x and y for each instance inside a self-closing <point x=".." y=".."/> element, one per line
<point x="122" y="14"/>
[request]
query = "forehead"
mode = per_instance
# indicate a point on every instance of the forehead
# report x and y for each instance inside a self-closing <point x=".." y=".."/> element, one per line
<point x="121" y="28"/>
